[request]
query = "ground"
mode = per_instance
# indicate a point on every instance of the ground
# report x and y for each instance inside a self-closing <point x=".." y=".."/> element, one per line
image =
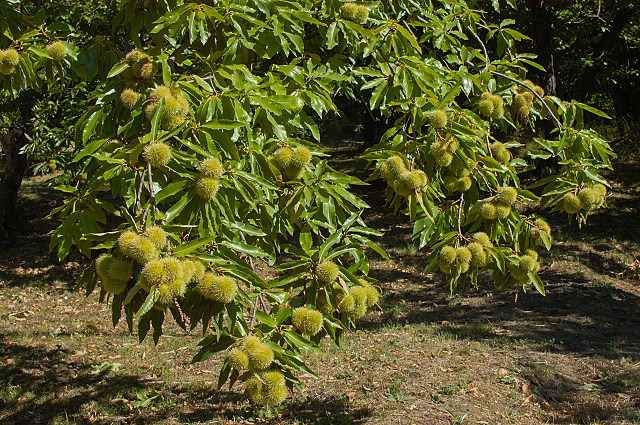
<point x="424" y="357"/>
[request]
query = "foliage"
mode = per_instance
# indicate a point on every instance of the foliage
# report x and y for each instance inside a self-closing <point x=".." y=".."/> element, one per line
<point x="47" y="103"/>
<point x="594" y="47"/>
<point x="198" y="162"/>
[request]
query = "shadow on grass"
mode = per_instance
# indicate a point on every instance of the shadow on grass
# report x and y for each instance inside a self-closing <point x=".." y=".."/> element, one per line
<point x="330" y="410"/>
<point x="42" y="385"/>
<point x="605" y="397"/>
<point x="575" y="316"/>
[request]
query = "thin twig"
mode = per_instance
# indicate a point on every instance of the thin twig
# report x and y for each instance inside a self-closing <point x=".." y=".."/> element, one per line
<point x="489" y="146"/>
<point x="259" y="297"/>
<point x="489" y="188"/>
<point x="404" y="23"/>
<point x="139" y="193"/>
<point x="484" y="48"/>
<point x="555" y="119"/>
<point x="251" y="263"/>
<point x="359" y="94"/>
<point x="152" y="199"/>
<point x="177" y="52"/>
<point x="460" y="216"/>
<point x="262" y="301"/>
<point x="514" y="80"/>
<point x="255" y="310"/>
<point x="151" y="191"/>
<point x="421" y="19"/>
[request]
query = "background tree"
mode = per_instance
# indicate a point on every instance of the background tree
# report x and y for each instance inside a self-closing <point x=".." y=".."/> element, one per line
<point x="42" y="99"/>
<point x="199" y="179"/>
<point x="588" y="50"/>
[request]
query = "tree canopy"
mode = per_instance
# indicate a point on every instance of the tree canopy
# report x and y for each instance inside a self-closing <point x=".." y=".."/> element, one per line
<point x="197" y="184"/>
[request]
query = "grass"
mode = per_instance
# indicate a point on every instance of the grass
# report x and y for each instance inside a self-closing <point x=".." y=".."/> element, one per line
<point x="424" y="357"/>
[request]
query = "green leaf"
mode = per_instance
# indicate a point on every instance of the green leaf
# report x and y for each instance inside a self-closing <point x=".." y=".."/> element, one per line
<point x="117" y="69"/>
<point x="410" y="38"/>
<point x="537" y="282"/>
<point x="448" y="98"/>
<point x="266" y="319"/>
<point x="333" y="239"/>
<point x="251" y="251"/>
<point x="166" y="73"/>
<point x="222" y="125"/>
<point x="177" y="208"/>
<point x="378" y="94"/>
<point x="147" y="305"/>
<point x="172" y="189"/>
<point x="546" y="239"/>
<point x="90" y="125"/>
<point x="245" y="228"/>
<point x="188" y="247"/>
<point x="306" y="239"/>
<point x="592" y="110"/>
<point x="212" y="345"/>
<point x="89" y="149"/>
<point x="156" y="120"/>
<point x="594" y="176"/>
<point x="331" y="36"/>
<point x="225" y="370"/>
<point x="301" y="343"/>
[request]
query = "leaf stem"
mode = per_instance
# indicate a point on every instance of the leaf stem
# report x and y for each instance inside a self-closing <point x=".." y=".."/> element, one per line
<point x="139" y="192"/>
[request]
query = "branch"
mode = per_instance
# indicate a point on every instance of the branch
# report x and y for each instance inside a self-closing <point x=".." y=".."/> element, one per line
<point x="255" y="309"/>
<point x="251" y="263"/>
<point x="139" y="192"/>
<point x="460" y="216"/>
<point x="488" y="146"/>
<point x="489" y="188"/>
<point x="153" y="194"/>
<point x="253" y="315"/>
<point x="177" y="52"/>
<point x="484" y="48"/>
<point x="555" y="119"/>
<point x="152" y="199"/>
<point x="359" y="94"/>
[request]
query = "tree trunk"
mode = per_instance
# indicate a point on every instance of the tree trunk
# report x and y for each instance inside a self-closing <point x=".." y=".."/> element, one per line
<point x="626" y="104"/>
<point x="543" y="26"/>
<point x="608" y="41"/>
<point x="16" y="165"/>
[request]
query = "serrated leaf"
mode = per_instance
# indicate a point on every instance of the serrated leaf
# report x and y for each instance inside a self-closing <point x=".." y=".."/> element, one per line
<point x="90" y="125"/>
<point x="172" y="189"/>
<point x="188" y="247"/>
<point x="147" y="305"/>
<point x="211" y="345"/>
<point x="156" y="120"/>
<point x="89" y="149"/>
<point x="251" y="251"/>
<point x="177" y="208"/>
<point x="266" y="319"/>
<point x="117" y="69"/>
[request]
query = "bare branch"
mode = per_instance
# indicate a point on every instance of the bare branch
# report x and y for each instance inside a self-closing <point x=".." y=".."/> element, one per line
<point x="139" y="192"/>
